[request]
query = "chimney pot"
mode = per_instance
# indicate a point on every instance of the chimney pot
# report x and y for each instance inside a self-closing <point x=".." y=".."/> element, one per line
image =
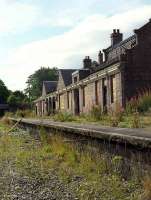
<point x="87" y="62"/>
<point x="100" y="57"/>
<point x="114" y="30"/>
<point x="116" y="37"/>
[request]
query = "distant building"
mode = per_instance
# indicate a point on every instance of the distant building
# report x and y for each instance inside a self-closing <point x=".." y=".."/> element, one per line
<point x="3" y="108"/>
<point x="123" y="69"/>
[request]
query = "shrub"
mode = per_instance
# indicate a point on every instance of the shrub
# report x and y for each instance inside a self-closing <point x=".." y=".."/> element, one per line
<point x="144" y="101"/>
<point x="24" y="113"/>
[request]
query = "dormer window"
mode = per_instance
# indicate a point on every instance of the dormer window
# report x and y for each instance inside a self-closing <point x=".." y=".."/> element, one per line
<point x="75" y="79"/>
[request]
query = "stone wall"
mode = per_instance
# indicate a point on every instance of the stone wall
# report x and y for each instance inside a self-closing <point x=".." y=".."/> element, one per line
<point x="137" y="72"/>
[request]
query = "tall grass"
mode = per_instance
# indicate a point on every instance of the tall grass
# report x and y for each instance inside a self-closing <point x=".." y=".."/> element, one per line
<point x="64" y="117"/>
<point x="140" y="103"/>
<point x="96" y="113"/>
<point x="96" y="174"/>
<point x="147" y="187"/>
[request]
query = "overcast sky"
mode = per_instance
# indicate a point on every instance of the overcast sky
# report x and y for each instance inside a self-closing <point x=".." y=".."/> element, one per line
<point x="52" y="33"/>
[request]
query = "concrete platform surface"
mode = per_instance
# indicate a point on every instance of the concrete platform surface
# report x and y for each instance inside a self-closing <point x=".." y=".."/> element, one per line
<point x="137" y="137"/>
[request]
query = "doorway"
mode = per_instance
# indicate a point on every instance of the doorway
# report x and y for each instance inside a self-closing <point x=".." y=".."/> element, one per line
<point x="76" y="102"/>
<point x="104" y="92"/>
<point x="54" y="105"/>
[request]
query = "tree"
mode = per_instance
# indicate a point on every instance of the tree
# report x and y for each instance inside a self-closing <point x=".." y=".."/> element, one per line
<point x="4" y="92"/>
<point x="17" y="100"/>
<point x="35" y="81"/>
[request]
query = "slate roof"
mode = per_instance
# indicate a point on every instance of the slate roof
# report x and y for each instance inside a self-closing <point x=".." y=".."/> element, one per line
<point x="67" y="75"/>
<point x="83" y="73"/>
<point x="122" y="43"/>
<point x="50" y="86"/>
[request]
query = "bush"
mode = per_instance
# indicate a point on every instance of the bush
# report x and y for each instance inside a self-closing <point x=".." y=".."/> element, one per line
<point x="144" y="101"/>
<point x="24" y="113"/>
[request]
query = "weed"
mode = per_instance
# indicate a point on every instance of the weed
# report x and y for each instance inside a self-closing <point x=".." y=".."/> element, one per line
<point x="63" y="117"/>
<point x="147" y="189"/>
<point x="135" y="122"/>
<point x="96" y="113"/>
<point x="44" y="137"/>
<point x="140" y="103"/>
<point x="5" y="120"/>
<point x="97" y="173"/>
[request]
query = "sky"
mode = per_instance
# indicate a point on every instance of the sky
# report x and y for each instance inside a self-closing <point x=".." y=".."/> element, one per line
<point x="35" y="33"/>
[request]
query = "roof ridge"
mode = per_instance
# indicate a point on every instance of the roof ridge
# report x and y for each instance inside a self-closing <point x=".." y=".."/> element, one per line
<point x="67" y="69"/>
<point x="49" y="81"/>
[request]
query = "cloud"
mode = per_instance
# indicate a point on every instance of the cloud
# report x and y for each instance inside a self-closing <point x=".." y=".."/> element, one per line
<point x="68" y="49"/>
<point x="16" y="17"/>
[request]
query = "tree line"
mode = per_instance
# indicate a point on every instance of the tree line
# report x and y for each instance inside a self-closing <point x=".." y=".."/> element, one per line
<point x="24" y="99"/>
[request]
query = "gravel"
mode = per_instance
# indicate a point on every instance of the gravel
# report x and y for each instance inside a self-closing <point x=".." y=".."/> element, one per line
<point x="16" y="187"/>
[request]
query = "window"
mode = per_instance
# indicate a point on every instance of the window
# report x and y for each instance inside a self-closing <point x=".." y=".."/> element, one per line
<point x="113" y="89"/>
<point x="83" y="96"/>
<point x="75" y="79"/>
<point x="96" y="93"/>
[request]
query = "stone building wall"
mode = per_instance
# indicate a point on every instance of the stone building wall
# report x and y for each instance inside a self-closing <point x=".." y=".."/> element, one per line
<point x="89" y="98"/>
<point x="126" y="71"/>
<point x="137" y="72"/>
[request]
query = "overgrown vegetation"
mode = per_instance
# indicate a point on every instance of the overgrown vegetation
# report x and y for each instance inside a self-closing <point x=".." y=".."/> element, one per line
<point x="99" y="175"/>
<point x="136" y="115"/>
<point x="140" y="103"/>
<point x="64" y="117"/>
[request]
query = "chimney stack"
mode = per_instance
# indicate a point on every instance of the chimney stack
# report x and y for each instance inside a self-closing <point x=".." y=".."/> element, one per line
<point x="100" y="58"/>
<point x="116" y="37"/>
<point x="87" y="62"/>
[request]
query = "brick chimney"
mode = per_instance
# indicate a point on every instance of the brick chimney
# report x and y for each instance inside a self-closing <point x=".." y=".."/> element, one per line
<point x="100" y="57"/>
<point x="116" y="37"/>
<point x="87" y="62"/>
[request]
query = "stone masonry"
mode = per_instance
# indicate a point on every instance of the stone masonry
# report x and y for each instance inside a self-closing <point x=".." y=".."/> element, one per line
<point x="121" y="72"/>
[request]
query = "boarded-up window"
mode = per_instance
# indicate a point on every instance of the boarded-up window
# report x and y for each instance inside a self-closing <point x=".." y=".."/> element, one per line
<point x="83" y="96"/>
<point x="104" y="92"/>
<point x="96" y="92"/>
<point x="113" y="88"/>
<point x="68" y="104"/>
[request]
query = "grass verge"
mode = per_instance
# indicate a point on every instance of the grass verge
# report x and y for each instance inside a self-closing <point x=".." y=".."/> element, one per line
<point x="95" y="175"/>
